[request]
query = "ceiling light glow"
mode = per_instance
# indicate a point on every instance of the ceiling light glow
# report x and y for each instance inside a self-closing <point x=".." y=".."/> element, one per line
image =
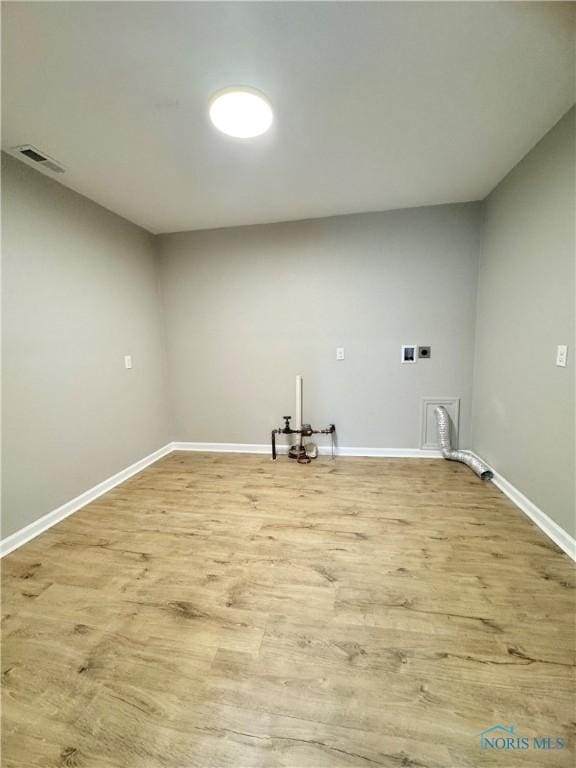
<point x="241" y="112"/>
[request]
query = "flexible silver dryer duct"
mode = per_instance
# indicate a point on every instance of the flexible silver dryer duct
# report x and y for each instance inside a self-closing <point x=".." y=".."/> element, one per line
<point x="443" y="420"/>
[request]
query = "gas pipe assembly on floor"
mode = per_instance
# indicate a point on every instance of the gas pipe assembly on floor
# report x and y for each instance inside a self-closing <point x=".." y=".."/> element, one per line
<point x="302" y="451"/>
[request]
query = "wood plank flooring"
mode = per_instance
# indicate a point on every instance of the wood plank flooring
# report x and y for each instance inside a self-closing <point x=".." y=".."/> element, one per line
<point x="224" y="611"/>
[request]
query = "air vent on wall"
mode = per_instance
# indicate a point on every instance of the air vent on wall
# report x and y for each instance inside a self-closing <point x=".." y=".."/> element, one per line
<point x="38" y="157"/>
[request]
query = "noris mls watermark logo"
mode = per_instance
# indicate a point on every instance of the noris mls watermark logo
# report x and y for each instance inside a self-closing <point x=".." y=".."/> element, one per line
<point x="504" y="738"/>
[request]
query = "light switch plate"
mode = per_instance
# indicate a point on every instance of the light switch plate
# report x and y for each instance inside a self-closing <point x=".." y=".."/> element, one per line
<point x="429" y="434"/>
<point x="127" y="361"/>
<point x="339" y="353"/>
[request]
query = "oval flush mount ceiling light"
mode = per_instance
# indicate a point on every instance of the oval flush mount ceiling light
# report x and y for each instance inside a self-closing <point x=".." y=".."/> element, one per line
<point x="241" y="112"/>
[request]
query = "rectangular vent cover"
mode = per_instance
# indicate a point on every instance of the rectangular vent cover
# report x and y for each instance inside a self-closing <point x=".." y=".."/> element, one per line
<point x="429" y="435"/>
<point x="38" y="157"/>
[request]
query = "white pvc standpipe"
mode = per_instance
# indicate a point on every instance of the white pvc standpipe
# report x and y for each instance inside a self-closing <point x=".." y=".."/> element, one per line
<point x="298" y="424"/>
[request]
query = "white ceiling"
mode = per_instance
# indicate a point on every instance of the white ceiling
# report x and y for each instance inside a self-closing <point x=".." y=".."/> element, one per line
<point x="378" y="105"/>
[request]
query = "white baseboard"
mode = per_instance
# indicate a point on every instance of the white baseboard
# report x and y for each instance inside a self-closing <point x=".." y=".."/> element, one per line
<point x="225" y="447"/>
<point x="324" y="450"/>
<point x="558" y="535"/>
<point x="24" y="535"/>
<point x="389" y="453"/>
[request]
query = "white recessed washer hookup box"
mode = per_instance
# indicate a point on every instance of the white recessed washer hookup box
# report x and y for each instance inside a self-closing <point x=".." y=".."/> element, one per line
<point x="408" y="353"/>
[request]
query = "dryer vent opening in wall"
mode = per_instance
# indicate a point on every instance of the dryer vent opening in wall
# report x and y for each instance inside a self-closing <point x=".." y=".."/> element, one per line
<point x="37" y="157"/>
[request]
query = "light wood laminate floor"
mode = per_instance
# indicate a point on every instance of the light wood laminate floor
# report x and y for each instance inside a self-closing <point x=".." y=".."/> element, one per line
<point x="226" y="611"/>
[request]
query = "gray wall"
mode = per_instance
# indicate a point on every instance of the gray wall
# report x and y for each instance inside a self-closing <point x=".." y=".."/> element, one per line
<point x="248" y="308"/>
<point x="523" y="404"/>
<point x="80" y="290"/>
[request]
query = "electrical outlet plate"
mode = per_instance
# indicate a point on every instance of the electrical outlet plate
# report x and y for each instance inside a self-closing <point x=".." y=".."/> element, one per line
<point x="561" y="355"/>
<point x="429" y="434"/>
